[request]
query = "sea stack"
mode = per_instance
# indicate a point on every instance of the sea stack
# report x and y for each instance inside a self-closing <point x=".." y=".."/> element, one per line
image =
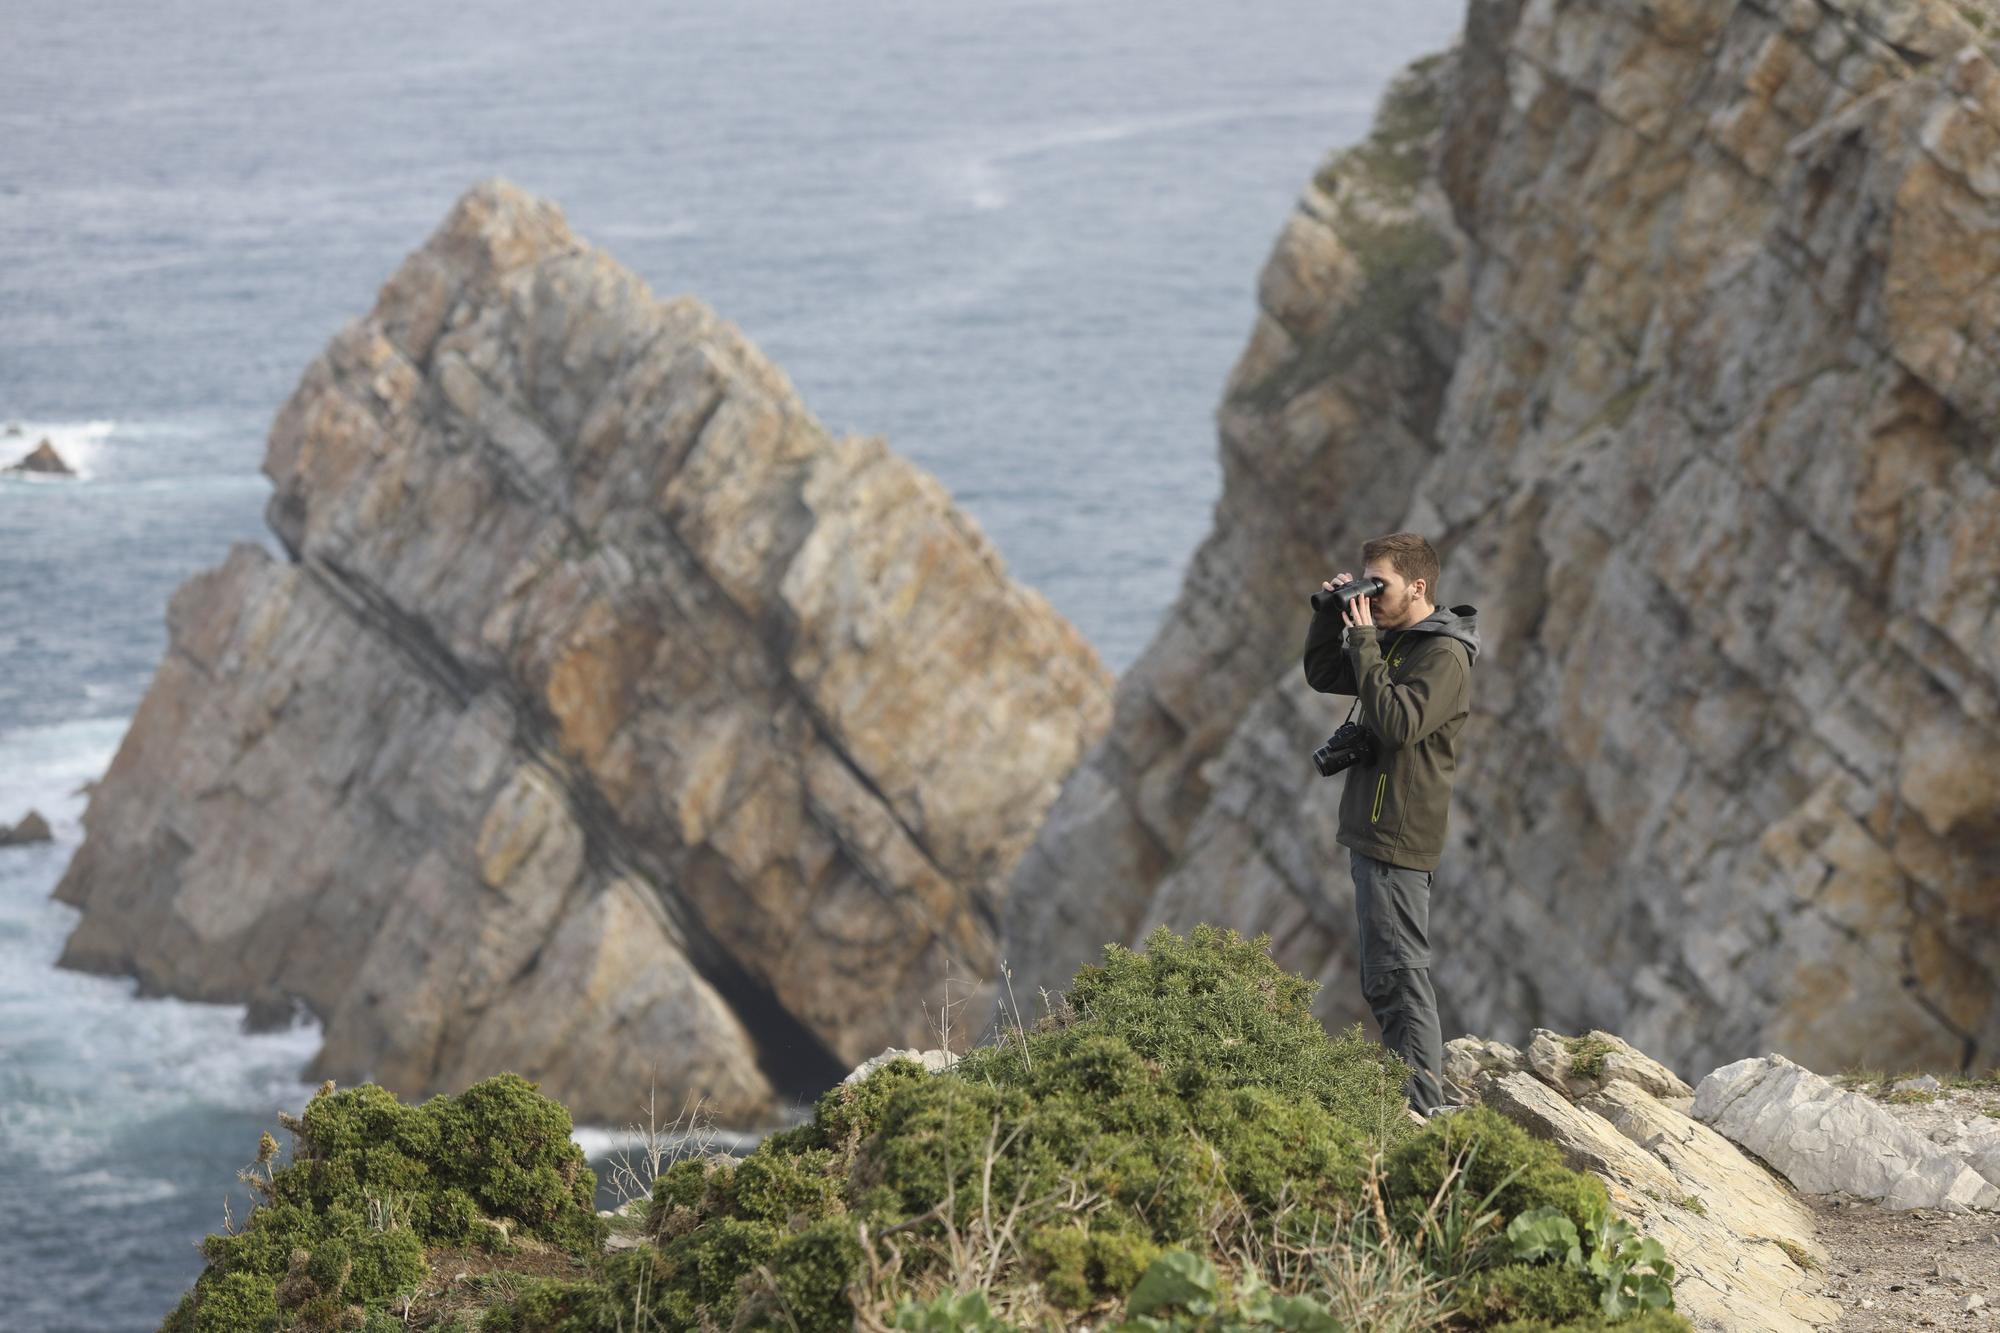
<point x="610" y="722"/>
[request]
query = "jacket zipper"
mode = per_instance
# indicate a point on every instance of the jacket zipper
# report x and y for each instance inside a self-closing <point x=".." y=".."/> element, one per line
<point x="1382" y="779"/>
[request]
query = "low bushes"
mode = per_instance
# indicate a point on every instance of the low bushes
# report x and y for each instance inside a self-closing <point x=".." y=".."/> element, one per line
<point x="1182" y="1146"/>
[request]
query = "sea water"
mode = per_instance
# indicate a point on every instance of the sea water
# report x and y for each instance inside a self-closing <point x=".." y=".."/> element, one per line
<point x="1018" y="238"/>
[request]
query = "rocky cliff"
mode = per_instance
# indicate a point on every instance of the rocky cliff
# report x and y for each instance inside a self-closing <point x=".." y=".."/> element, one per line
<point x="1676" y="324"/>
<point x="610" y="722"/>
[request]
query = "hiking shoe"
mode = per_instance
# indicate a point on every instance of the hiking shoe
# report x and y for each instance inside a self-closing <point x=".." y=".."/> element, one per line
<point x="1447" y="1108"/>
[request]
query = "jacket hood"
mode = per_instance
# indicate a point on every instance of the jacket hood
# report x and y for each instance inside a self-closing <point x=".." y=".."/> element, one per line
<point x="1458" y="622"/>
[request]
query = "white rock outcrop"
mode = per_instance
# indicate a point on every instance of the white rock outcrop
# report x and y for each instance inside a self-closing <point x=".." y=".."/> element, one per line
<point x="1827" y="1140"/>
<point x="934" y="1060"/>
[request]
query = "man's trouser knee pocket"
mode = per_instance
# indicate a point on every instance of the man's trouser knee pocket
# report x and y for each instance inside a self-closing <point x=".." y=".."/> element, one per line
<point x="1392" y="908"/>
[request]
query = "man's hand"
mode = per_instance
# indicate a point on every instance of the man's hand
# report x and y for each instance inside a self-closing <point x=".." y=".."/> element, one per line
<point x="1356" y="612"/>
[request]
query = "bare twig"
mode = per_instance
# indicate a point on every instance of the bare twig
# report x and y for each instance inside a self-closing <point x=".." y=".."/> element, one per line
<point x="1020" y="1033"/>
<point x="658" y="1145"/>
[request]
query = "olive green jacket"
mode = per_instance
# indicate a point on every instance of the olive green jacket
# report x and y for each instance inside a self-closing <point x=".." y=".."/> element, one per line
<point x="1414" y="686"/>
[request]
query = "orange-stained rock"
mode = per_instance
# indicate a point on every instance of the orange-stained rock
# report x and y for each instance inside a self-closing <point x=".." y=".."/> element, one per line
<point x="612" y="722"/>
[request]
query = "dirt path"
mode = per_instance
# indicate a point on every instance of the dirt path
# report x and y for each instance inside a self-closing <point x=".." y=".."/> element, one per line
<point x="1896" y="1271"/>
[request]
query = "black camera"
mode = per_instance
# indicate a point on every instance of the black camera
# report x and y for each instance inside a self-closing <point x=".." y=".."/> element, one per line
<point x="1339" y="598"/>
<point x="1347" y="747"/>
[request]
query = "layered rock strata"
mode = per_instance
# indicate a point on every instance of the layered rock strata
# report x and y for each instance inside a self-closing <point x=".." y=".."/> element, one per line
<point x="1676" y="324"/>
<point x="1747" y="1251"/>
<point x="610" y="722"/>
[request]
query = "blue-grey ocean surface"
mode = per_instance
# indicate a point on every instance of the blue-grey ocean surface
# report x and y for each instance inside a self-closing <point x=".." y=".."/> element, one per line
<point x="1020" y="239"/>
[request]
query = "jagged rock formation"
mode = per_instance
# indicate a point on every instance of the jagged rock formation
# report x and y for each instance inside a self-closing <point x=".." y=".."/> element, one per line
<point x="610" y="723"/>
<point x="43" y="459"/>
<point x="1746" y="1248"/>
<point x="32" y="828"/>
<point x="1676" y="323"/>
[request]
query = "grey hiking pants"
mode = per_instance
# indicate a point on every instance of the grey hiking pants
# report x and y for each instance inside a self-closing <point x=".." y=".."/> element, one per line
<point x="1392" y="908"/>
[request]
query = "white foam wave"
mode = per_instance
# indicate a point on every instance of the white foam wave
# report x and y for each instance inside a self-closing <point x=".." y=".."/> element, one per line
<point x="599" y="1143"/>
<point x="675" y="229"/>
<point x="982" y="186"/>
<point x="107" y="1189"/>
<point x="980" y="178"/>
<point x="117" y="1063"/>
<point x="44" y="767"/>
<point x="82" y="1060"/>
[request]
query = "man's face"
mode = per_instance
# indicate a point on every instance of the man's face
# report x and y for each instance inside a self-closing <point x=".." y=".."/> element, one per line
<point x="1399" y="605"/>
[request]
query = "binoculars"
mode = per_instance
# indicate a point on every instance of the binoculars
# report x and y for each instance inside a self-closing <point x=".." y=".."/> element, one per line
<point x="1340" y="598"/>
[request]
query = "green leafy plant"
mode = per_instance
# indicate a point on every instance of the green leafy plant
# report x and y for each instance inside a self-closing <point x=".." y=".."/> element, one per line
<point x="1183" y="1293"/>
<point x="1179" y="1146"/>
<point x="950" y="1313"/>
<point x="1630" y="1271"/>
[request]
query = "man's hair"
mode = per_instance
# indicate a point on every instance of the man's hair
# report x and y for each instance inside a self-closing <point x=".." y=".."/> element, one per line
<point x="1409" y="555"/>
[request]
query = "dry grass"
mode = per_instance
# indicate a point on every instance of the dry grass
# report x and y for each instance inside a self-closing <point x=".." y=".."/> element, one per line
<point x="1364" y="1272"/>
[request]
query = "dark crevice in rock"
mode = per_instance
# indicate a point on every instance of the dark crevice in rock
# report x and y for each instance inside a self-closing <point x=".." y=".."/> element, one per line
<point x="792" y="1057"/>
<point x="410" y="635"/>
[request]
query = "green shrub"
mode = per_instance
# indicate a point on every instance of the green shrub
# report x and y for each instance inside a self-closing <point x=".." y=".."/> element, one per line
<point x="1586" y="1055"/>
<point x="232" y="1303"/>
<point x="1116" y="1260"/>
<point x="1184" y="1088"/>
<point x="1651" y="1321"/>
<point x="1214" y="1011"/>
<point x="782" y="1187"/>
<point x="543" y="1306"/>
<point x="1523" y="1292"/>
<point x="1061" y="1253"/>
<point x="850" y="1112"/>
<point x="705" y="1265"/>
<point x="805" y="1284"/>
<point x="386" y="1264"/>
<point x="372" y="1182"/>
<point x="1496" y="1154"/>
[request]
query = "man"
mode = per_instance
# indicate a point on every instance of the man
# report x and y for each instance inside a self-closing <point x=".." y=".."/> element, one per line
<point x="1409" y="666"/>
